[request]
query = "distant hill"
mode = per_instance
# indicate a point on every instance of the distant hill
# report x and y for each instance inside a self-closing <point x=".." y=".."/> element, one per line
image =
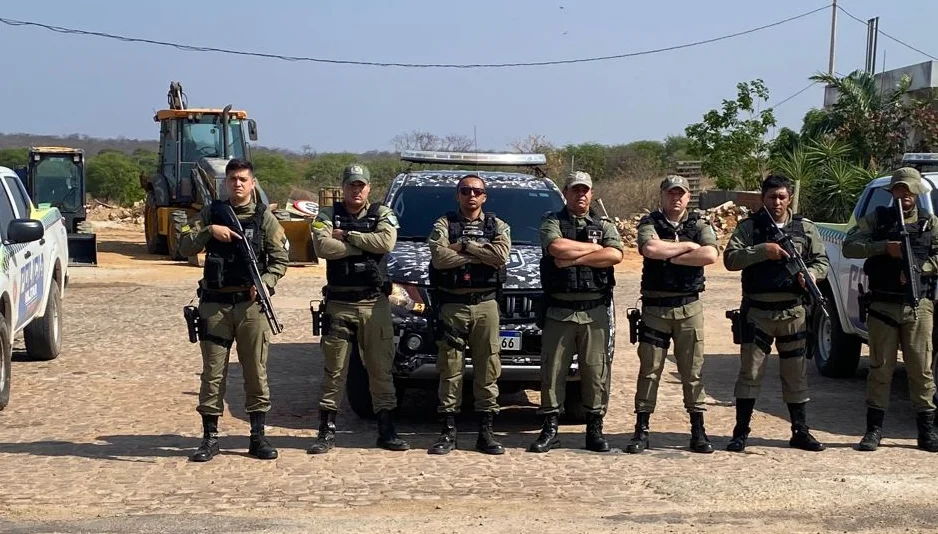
<point x="93" y="145"/>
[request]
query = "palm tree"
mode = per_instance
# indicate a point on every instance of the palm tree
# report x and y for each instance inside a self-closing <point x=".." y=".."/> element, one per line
<point x="869" y="118"/>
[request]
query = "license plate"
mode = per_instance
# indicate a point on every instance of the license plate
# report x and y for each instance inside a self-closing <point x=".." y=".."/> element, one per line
<point x="510" y="339"/>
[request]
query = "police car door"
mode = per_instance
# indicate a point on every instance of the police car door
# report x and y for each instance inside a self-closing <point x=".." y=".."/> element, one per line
<point x="28" y="285"/>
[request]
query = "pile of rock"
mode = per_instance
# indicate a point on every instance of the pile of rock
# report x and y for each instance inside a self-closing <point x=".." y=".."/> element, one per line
<point x="723" y="218"/>
<point x="100" y="211"/>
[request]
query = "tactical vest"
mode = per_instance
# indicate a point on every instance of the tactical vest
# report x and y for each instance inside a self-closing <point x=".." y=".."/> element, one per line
<point x="659" y="275"/>
<point x="470" y="275"/>
<point x="224" y="264"/>
<point x="773" y="276"/>
<point x="366" y="270"/>
<point x="883" y="270"/>
<point x="579" y="278"/>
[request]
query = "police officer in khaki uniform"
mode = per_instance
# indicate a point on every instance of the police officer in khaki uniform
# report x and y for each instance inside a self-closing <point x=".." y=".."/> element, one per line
<point x="228" y="305"/>
<point x="580" y="249"/>
<point x="469" y="250"/>
<point x="676" y="246"/>
<point x="354" y="237"/>
<point x="773" y="309"/>
<point x="893" y="319"/>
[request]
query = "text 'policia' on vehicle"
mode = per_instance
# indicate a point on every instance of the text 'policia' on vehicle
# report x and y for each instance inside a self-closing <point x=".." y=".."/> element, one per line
<point x="418" y="198"/>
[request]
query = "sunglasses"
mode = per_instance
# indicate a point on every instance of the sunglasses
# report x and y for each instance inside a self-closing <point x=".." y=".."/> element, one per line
<point x="465" y="191"/>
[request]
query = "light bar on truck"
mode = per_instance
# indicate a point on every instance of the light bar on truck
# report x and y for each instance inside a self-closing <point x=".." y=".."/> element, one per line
<point x="920" y="157"/>
<point x="474" y="158"/>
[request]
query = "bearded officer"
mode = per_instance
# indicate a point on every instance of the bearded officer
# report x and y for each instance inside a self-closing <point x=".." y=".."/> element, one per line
<point x="580" y="249"/>
<point x="676" y="246"/>
<point x="228" y="305"/>
<point x="354" y="237"/>
<point x="469" y="250"/>
<point x="773" y="308"/>
<point x="893" y="319"/>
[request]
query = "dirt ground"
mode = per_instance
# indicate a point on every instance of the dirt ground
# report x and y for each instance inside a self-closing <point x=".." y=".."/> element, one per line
<point x="98" y="439"/>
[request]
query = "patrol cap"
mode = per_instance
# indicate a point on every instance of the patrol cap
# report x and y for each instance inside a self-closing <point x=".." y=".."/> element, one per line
<point x="672" y="181"/>
<point x="908" y="176"/>
<point x="356" y="172"/>
<point x="578" y="178"/>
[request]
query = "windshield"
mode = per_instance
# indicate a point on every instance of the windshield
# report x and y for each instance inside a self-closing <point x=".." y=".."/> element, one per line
<point x="56" y="181"/>
<point x="418" y="207"/>
<point x="203" y="138"/>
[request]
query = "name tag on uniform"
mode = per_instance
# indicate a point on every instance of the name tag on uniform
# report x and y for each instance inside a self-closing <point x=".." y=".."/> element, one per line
<point x="473" y="232"/>
<point x="594" y="235"/>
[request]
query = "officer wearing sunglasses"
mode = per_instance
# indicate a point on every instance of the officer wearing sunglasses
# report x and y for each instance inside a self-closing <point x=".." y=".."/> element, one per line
<point x="469" y="249"/>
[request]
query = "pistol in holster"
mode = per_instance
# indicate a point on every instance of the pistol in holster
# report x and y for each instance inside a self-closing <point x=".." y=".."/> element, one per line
<point x="193" y="322"/>
<point x="864" y="299"/>
<point x="737" y="325"/>
<point x="635" y="324"/>
<point x="540" y="312"/>
<point x="320" y="319"/>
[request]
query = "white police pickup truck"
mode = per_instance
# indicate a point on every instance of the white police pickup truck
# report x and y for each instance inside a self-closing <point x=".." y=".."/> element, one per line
<point x="33" y="275"/>
<point x="836" y="346"/>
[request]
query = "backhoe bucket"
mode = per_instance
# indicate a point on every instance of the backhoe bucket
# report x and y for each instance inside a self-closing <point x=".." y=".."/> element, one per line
<point x="82" y="250"/>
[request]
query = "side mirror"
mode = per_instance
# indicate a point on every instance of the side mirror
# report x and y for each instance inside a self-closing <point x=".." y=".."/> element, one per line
<point x="24" y="231"/>
<point x="252" y="130"/>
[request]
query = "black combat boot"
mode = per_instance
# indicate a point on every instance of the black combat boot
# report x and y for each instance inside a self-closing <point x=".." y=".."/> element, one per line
<point x="800" y="437"/>
<point x="209" y="447"/>
<point x="741" y="431"/>
<point x="447" y="440"/>
<point x="325" y="441"/>
<point x="387" y="436"/>
<point x="594" y="433"/>
<point x="259" y="446"/>
<point x="639" y="441"/>
<point x="486" y="442"/>
<point x="874" y="430"/>
<point x="699" y="442"/>
<point x="927" y="438"/>
<point x="547" y="439"/>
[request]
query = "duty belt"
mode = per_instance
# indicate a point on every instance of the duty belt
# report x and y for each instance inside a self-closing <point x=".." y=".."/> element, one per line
<point x="576" y="305"/>
<point x="668" y="302"/>
<point x="465" y="298"/>
<point x="351" y="296"/>
<point x="222" y="297"/>
<point x="771" y="306"/>
<point x="877" y="295"/>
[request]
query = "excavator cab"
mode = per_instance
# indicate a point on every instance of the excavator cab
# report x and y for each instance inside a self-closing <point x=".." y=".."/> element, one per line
<point x="195" y="146"/>
<point x="55" y="177"/>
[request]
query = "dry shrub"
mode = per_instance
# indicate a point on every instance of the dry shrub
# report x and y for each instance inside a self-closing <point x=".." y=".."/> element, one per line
<point x="627" y="194"/>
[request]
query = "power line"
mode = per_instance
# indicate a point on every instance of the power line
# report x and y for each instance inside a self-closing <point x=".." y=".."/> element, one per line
<point x="812" y="84"/>
<point x="884" y="34"/>
<point x="191" y="48"/>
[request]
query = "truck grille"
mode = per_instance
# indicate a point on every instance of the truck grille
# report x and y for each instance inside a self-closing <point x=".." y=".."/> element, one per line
<point x="518" y="307"/>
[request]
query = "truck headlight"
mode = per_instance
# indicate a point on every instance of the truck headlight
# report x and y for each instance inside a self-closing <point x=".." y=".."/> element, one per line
<point x="407" y="299"/>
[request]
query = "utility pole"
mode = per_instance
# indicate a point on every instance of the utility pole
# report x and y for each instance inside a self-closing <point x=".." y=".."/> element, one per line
<point x="830" y="67"/>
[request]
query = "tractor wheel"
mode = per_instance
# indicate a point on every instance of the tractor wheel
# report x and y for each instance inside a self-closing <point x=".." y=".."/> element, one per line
<point x="156" y="244"/>
<point x="178" y="219"/>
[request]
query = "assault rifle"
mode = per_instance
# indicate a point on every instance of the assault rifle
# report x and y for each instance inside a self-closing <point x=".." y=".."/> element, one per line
<point x="913" y="277"/>
<point x="231" y="220"/>
<point x="795" y="263"/>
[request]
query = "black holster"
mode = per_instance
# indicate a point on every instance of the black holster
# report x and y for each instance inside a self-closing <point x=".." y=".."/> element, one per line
<point x="193" y="322"/>
<point x="540" y="311"/>
<point x="864" y="299"/>
<point x="317" y="313"/>
<point x="635" y="324"/>
<point x="736" y="326"/>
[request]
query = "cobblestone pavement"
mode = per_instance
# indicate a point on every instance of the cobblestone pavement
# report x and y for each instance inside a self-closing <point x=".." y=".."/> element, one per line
<point x="105" y="431"/>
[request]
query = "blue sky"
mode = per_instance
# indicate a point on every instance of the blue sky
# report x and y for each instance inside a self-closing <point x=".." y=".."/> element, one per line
<point x="61" y="84"/>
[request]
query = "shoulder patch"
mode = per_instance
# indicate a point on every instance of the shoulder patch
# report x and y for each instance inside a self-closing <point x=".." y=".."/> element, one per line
<point x="392" y="219"/>
<point x="185" y="229"/>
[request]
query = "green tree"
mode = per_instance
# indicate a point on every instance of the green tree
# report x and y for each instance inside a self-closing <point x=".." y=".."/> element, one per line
<point x="786" y="141"/>
<point x="115" y="177"/>
<point x="13" y="157"/>
<point x="146" y="159"/>
<point x="676" y="148"/>
<point x="589" y="157"/>
<point x="730" y="142"/>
